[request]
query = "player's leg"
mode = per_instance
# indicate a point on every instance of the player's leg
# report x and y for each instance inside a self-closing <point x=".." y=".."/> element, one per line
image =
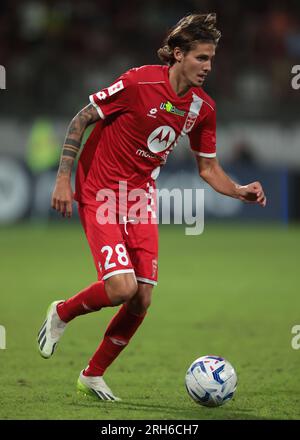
<point x="111" y="292"/>
<point x="120" y="330"/>
<point x="101" y="294"/>
<point x="142" y="244"/>
<point x="141" y="301"/>
<point x="110" y="257"/>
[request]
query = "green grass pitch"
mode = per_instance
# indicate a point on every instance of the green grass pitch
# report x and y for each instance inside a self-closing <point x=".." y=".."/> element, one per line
<point x="232" y="291"/>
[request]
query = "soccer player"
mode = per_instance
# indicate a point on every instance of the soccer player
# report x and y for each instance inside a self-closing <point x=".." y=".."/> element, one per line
<point x="139" y="120"/>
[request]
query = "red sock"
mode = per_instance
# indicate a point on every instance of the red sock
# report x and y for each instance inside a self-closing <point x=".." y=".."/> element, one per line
<point x="90" y="299"/>
<point x="118" y="333"/>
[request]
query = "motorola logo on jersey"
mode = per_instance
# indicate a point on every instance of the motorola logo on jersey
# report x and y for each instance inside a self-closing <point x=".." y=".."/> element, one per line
<point x="161" y="139"/>
<point x="144" y="153"/>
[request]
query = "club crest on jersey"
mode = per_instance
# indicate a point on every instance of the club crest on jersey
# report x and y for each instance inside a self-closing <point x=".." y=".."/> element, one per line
<point x="161" y="139"/>
<point x="170" y="108"/>
<point x="189" y="122"/>
<point x="115" y="88"/>
<point x="193" y="113"/>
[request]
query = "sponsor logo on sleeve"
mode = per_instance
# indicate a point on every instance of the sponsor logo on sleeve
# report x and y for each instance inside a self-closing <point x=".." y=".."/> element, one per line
<point x="101" y="95"/>
<point x="115" y="88"/>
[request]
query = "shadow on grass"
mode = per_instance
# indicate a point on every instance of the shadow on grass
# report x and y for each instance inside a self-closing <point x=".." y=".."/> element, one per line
<point x="164" y="412"/>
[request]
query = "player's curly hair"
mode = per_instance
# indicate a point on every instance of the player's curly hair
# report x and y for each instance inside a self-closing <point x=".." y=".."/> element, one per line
<point x="190" y="30"/>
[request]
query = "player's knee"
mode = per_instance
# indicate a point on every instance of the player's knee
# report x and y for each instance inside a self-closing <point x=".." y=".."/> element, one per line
<point x="127" y="291"/>
<point x="121" y="288"/>
<point x="142" y="300"/>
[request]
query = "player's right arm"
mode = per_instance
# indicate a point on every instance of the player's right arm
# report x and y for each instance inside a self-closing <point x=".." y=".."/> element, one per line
<point x="62" y="196"/>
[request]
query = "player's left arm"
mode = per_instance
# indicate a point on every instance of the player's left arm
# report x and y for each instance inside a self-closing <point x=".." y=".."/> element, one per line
<point x="211" y="171"/>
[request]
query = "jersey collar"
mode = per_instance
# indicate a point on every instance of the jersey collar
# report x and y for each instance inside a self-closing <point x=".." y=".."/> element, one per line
<point x="174" y="95"/>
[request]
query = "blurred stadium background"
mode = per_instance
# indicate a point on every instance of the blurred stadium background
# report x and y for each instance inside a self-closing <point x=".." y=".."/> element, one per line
<point x="55" y="54"/>
<point x="58" y="52"/>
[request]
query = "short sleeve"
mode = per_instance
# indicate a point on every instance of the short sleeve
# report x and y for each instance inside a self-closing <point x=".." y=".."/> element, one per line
<point x="116" y="98"/>
<point x="203" y="137"/>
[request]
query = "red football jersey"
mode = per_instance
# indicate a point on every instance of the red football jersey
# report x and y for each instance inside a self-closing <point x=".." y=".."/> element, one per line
<point x="142" y="120"/>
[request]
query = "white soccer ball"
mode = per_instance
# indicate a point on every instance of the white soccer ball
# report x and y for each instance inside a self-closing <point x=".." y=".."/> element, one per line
<point x="211" y="381"/>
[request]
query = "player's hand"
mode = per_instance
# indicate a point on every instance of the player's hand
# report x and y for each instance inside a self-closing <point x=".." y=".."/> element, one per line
<point x="252" y="193"/>
<point x="62" y="197"/>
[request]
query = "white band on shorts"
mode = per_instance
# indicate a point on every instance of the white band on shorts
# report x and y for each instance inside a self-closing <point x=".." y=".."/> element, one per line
<point x="146" y="280"/>
<point x="116" y="272"/>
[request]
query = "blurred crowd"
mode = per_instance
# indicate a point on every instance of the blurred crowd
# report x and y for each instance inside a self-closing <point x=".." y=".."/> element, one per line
<point x="57" y="52"/>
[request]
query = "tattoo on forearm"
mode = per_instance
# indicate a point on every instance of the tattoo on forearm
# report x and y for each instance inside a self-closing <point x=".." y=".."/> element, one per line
<point x="68" y="152"/>
<point x="72" y="143"/>
<point x="71" y="148"/>
<point x="65" y="166"/>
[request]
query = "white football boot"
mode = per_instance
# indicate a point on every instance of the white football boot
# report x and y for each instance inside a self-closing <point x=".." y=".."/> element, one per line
<point x="95" y="386"/>
<point x="51" y="331"/>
